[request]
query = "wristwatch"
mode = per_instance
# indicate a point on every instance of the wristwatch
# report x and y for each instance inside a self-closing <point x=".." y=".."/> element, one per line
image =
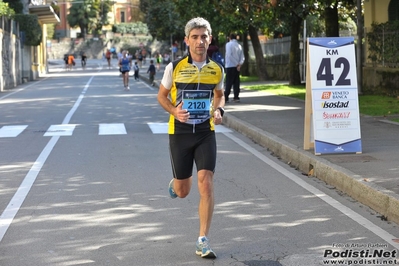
<point x="221" y="110"/>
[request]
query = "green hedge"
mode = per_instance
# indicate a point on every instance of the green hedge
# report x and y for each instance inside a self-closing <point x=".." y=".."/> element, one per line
<point x="133" y="28"/>
<point x="29" y="24"/>
<point x="383" y="42"/>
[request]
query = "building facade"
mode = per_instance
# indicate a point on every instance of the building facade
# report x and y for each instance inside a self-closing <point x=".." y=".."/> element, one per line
<point x="122" y="11"/>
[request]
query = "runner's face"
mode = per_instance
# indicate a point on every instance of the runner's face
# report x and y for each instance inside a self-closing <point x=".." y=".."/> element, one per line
<point x="198" y="41"/>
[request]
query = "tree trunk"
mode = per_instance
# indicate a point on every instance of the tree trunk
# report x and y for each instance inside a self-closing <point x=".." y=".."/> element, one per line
<point x="331" y="21"/>
<point x="82" y="30"/>
<point x="295" y="78"/>
<point x="259" y="59"/>
<point x="244" y="71"/>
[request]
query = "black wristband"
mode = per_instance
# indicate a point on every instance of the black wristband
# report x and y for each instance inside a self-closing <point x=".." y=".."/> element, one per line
<point x="221" y="110"/>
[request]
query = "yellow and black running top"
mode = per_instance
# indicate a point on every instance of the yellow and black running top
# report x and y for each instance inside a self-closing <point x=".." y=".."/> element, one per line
<point x="194" y="86"/>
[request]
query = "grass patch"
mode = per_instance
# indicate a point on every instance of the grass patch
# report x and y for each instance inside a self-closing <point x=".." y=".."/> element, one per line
<point x="378" y="105"/>
<point x="248" y="79"/>
<point x="373" y="105"/>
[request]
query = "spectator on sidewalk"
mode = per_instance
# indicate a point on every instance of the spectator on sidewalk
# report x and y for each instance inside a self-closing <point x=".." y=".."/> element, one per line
<point x="234" y="58"/>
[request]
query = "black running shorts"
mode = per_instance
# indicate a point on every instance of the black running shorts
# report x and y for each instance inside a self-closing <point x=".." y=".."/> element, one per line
<point x="185" y="149"/>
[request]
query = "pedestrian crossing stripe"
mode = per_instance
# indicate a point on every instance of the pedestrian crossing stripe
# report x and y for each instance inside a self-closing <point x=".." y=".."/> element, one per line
<point x="11" y="131"/>
<point x="162" y="128"/>
<point x="103" y="129"/>
<point x="60" y="130"/>
<point x="112" y="129"/>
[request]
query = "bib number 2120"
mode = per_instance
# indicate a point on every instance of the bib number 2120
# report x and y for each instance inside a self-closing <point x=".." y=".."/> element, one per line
<point x="324" y="72"/>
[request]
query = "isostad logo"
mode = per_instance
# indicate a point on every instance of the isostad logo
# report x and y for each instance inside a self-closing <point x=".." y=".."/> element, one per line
<point x="338" y="104"/>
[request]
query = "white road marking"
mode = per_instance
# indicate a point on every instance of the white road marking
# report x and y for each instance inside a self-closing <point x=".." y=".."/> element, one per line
<point x="112" y="129"/>
<point x="15" y="204"/>
<point x="222" y="129"/>
<point x="60" y="130"/>
<point x="158" y="128"/>
<point x="332" y="202"/>
<point x="162" y="128"/>
<point x="11" y="131"/>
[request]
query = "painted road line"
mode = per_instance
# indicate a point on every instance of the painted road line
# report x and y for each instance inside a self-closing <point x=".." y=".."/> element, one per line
<point x="378" y="231"/>
<point x="112" y="129"/>
<point x="162" y="128"/>
<point x="60" y="130"/>
<point x="17" y="200"/>
<point x="11" y="131"/>
<point x="158" y="128"/>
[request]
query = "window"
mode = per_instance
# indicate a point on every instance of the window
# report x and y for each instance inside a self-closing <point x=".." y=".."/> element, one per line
<point x="122" y="16"/>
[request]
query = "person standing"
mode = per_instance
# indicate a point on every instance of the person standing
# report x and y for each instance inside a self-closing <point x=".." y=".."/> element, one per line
<point x="194" y="80"/>
<point x="125" y="65"/>
<point x="234" y="58"/>
<point x="151" y="71"/>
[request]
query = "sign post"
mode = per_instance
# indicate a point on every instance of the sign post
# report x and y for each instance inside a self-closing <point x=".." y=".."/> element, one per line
<point x="331" y="105"/>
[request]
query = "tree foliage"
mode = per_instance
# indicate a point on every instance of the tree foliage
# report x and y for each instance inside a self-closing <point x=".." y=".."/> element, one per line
<point x="242" y="17"/>
<point x="248" y="18"/>
<point x="134" y="28"/>
<point x="162" y="19"/>
<point x="251" y="18"/>
<point x="89" y="15"/>
<point x="292" y="13"/>
<point x="14" y="5"/>
<point x="5" y="9"/>
<point x="383" y="43"/>
<point x="335" y="11"/>
<point x="29" y="24"/>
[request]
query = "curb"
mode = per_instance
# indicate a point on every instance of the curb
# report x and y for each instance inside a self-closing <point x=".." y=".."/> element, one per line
<point x="377" y="198"/>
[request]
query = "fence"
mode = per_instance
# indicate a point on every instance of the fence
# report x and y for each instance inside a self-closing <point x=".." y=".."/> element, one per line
<point x="276" y="51"/>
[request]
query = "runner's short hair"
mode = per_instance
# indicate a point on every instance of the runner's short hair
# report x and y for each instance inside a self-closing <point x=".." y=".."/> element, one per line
<point x="196" y="23"/>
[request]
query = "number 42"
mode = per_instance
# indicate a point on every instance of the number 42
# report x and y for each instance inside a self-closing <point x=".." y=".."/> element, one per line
<point x="324" y="72"/>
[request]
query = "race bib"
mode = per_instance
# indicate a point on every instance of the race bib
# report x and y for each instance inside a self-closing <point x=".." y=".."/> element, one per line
<point x="197" y="103"/>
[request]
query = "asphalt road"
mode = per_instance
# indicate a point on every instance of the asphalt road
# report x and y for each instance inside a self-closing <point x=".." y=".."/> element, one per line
<point x="84" y="169"/>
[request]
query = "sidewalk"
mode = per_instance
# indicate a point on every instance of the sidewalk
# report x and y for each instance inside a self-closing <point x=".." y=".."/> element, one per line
<point x="277" y="123"/>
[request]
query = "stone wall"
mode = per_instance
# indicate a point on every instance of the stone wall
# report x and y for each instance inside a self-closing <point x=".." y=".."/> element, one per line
<point x="381" y="80"/>
<point x="10" y="72"/>
<point x="95" y="46"/>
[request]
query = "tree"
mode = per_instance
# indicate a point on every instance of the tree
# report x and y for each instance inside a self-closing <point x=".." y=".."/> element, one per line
<point x="298" y="11"/>
<point x="332" y="17"/>
<point x="162" y="19"/>
<point x="14" y="5"/>
<point x="248" y="17"/>
<point x="5" y="9"/>
<point x="89" y="15"/>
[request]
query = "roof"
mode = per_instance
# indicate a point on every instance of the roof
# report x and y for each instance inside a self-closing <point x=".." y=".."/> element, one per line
<point x="45" y="13"/>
